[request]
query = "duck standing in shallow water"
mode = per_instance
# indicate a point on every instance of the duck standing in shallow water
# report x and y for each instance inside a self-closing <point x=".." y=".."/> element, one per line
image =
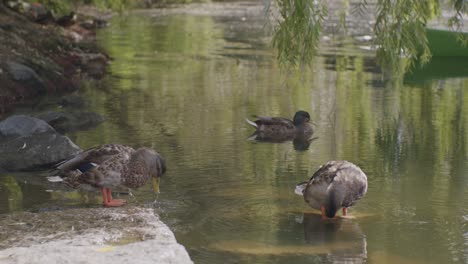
<point x="112" y="165"/>
<point x="279" y="129"/>
<point x="335" y="185"/>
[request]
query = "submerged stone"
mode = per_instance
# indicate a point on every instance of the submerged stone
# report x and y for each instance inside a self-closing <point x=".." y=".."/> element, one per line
<point x="71" y="121"/>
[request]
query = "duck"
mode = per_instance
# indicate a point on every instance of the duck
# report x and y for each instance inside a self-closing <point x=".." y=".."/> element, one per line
<point x="335" y="185"/>
<point x="112" y="165"/>
<point x="278" y="129"/>
<point x="67" y="20"/>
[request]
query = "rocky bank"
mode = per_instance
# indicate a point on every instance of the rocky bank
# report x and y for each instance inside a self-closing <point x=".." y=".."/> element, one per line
<point x="42" y="57"/>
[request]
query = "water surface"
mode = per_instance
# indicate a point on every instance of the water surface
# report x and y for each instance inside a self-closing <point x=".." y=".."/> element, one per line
<point x="183" y="84"/>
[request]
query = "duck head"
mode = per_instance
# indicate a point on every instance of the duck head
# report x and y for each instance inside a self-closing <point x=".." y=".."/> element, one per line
<point x="301" y="117"/>
<point x="154" y="163"/>
<point x="333" y="203"/>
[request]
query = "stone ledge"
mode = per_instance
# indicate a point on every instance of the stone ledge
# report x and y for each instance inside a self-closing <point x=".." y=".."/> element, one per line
<point x="94" y="235"/>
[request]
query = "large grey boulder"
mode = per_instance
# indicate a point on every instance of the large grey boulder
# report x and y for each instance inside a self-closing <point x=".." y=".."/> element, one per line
<point x="21" y="125"/>
<point x="99" y="235"/>
<point x="26" y="77"/>
<point x="28" y="143"/>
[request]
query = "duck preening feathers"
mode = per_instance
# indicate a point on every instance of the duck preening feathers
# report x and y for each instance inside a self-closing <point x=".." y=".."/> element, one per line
<point x="335" y="185"/>
<point x="112" y="165"/>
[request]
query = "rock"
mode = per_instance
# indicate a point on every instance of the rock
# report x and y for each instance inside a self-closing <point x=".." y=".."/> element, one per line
<point x="94" y="23"/>
<point x="18" y="6"/>
<point x="72" y="101"/>
<point x="37" y="150"/>
<point x="94" y="64"/>
<point x="7" y="26"/>
<point x="26" y="77"/>
<point x="21" y="125"/>
<point x="40" y="14"/>
<point x="27" y="143"/>
<point x="80" y="34"/>
<point x="74" y="36"/>
<point x="36" y="12"/>
<point x="71" y="121"/>
<point x="98" y="235"/>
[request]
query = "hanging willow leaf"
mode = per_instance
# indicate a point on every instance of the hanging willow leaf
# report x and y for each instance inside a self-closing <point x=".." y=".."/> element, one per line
<point x="297" y="35"/>
<point x="399" y="29"/>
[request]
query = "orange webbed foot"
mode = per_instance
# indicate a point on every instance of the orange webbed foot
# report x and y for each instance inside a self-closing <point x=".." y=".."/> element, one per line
<point x="324" y="216"/>
<point x="108" y="201"/>
<point x="345" y="211"/>
<point x="115" y="203"/>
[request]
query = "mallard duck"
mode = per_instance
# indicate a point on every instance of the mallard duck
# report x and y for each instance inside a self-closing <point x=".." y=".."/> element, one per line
<point x="113" y="165"/>
<point x="335" y="185"/>
<point x="281" y="129"/>
<point x="67" y="20"/>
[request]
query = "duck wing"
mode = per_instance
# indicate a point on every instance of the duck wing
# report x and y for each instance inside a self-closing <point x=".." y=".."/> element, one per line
<point x="98" y="167"/>
<point x="274" y="121"/>
<point x="326" y="173"/>
<point x="93" y="157"/>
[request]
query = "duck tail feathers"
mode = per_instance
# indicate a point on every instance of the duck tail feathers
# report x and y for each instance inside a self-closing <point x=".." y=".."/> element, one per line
<point x="252" y="123"/>
<point x="252" y="137"/>
<point x="300" y="187"/>
<point x="55" y="179"/>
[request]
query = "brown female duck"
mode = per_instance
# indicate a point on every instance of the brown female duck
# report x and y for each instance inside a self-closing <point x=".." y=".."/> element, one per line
<point x="112" y="165"/>
<point x="335" y="185"/>
<point x="281" y="129"/>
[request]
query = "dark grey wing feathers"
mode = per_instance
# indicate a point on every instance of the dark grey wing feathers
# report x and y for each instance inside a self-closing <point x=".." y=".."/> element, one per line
<point x="95" y="155"/>
<point x="274" y="121"/>
<point x="326" y="172"/>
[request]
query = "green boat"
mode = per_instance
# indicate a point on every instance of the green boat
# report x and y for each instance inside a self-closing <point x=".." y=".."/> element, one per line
<point x="449" y="58"/>
<point x="446" y="43"/>
<point x="438" y="68"/>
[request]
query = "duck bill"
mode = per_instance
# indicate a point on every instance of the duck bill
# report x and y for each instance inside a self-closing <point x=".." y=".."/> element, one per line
<point x="156" y="184"/>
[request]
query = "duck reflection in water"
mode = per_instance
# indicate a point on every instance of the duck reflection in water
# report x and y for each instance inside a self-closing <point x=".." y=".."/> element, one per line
<point x="342" y="238"/>
<point x="302" y="143"/>
<point x="279" y="129"/>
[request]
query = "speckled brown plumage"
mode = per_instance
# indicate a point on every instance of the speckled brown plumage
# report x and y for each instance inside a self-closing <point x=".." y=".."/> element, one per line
<point x="112" y="165"/>
<point x="334" y="185"/>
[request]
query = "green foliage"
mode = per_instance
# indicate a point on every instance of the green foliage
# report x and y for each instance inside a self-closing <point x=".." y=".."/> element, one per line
<point x="461" y="7"/>
<point x="455" y="22"/>
<point x="297" y="35"/>
<point x="399" y="29"/>
<point x="117" y="5"/>
<point x="57" y="7"/>
<point x="61" y="7"/>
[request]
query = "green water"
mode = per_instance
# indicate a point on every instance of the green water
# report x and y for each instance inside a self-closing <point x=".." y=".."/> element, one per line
<point x="183" y="84"/>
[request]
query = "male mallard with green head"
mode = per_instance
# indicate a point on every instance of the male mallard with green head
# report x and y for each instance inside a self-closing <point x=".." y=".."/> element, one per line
<point x="335" y="185"/>
<point x="112" y="165"/>
<point x="280" y="129"/>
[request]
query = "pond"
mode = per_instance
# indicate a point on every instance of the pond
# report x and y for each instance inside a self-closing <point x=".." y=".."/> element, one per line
<point x="184" y="84"/>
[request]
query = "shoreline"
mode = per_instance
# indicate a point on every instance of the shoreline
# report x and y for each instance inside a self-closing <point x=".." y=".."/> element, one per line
<point x="39" y="59"/>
